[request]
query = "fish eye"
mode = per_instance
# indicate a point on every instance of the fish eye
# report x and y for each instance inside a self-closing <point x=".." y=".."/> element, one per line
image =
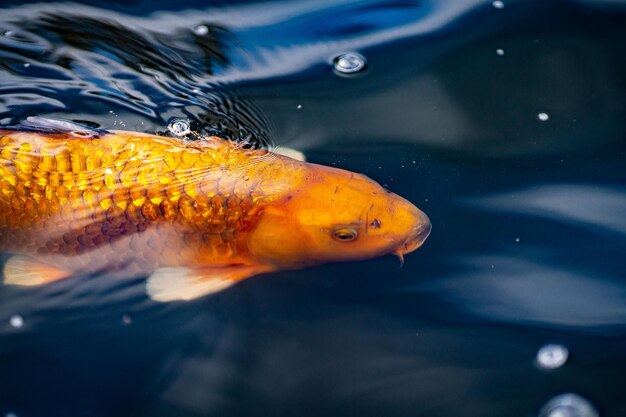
<point x="345" y="234"/>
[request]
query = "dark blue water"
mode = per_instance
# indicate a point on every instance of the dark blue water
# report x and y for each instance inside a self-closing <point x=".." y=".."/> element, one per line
<point x="529" y="215"/>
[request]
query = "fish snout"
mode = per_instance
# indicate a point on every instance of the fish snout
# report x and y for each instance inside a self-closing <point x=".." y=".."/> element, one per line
<point x="416" y="237"/>
<point x="420" y="234"/>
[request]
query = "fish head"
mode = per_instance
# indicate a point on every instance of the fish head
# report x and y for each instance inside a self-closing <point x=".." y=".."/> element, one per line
<point x="334" y="216"/>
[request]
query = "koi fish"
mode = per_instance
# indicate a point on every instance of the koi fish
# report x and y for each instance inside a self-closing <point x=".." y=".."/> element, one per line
<point x="195" y="216"/>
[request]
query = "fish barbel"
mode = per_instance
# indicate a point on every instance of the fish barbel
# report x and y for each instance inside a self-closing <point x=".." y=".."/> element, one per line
<point x="197" y="216"/>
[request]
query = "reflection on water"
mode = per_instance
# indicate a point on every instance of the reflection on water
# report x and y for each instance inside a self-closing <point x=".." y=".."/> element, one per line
<point x="505" y="124"/>
<point x="509" y="289"/>
<point x="591" y="206"/>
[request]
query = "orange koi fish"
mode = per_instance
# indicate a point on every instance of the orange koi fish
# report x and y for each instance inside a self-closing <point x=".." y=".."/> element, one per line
<point x="196" y="216"/>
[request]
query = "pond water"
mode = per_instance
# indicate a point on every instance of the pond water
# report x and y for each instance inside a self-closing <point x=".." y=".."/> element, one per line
<point x="503" y="121"/>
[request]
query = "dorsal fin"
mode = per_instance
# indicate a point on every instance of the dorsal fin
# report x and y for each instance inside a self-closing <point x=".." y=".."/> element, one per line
<point x="48" y="125"/>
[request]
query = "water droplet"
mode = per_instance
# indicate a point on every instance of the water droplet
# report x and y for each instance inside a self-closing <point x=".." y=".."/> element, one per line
<point x="552" y="356"/>
<point x="179" y="127"/>
<point x="108" y="171"/>
<point x="299" y="106"/>
<point x="349" y="63"/>
<point x="543" y="116"/>
<point x="127" y="319"/>
<point x="200" y="30"/>
<point x="500" y="51"/>
<point x="26" y="65"/>
<point x="568" y="405"/>
<point x="16" y="321"/>
<point x="498" y="4"/>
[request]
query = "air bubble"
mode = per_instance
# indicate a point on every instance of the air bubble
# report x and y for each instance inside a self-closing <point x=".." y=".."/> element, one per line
<point x="179" y="127"/>
<point x="299" y="106"/>
<point x="349" y="63"/>
<point x="543" y="116"/>
<point x="500" y="51"/>
<point x="568" y="405"/>
<point x="200" y="30"/>
<point x="16" y="321"/>
<point x="517" y="240"/>
<point x="498" y="4"/>
<point x="10" y="414"/>
<point x="127" y="319"/>
<point x="552" y="356"/>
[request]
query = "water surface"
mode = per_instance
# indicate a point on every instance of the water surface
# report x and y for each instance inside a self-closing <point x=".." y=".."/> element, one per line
<point x="505" y="125"/>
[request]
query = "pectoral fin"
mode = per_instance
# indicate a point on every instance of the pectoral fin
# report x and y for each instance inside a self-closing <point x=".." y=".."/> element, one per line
<point x="172" y="284"/>
<point x="26" y="271"/>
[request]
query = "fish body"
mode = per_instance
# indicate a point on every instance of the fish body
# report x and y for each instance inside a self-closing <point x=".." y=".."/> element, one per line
<point x="197" y="215"/>
<point x="143" y="197"/>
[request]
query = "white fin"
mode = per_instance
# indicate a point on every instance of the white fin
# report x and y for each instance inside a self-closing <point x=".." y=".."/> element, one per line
<point x="59" y="125"/>
<point x="21" y="270"/>
<point x="291" y="153"/>
<point x="171" y="284"/>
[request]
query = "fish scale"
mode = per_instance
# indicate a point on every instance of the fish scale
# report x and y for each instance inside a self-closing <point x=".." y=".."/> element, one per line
<point x="65" y="195"/>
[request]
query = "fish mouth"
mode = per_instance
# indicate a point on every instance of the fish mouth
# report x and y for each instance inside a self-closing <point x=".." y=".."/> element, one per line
<point x="416" y="239"/>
